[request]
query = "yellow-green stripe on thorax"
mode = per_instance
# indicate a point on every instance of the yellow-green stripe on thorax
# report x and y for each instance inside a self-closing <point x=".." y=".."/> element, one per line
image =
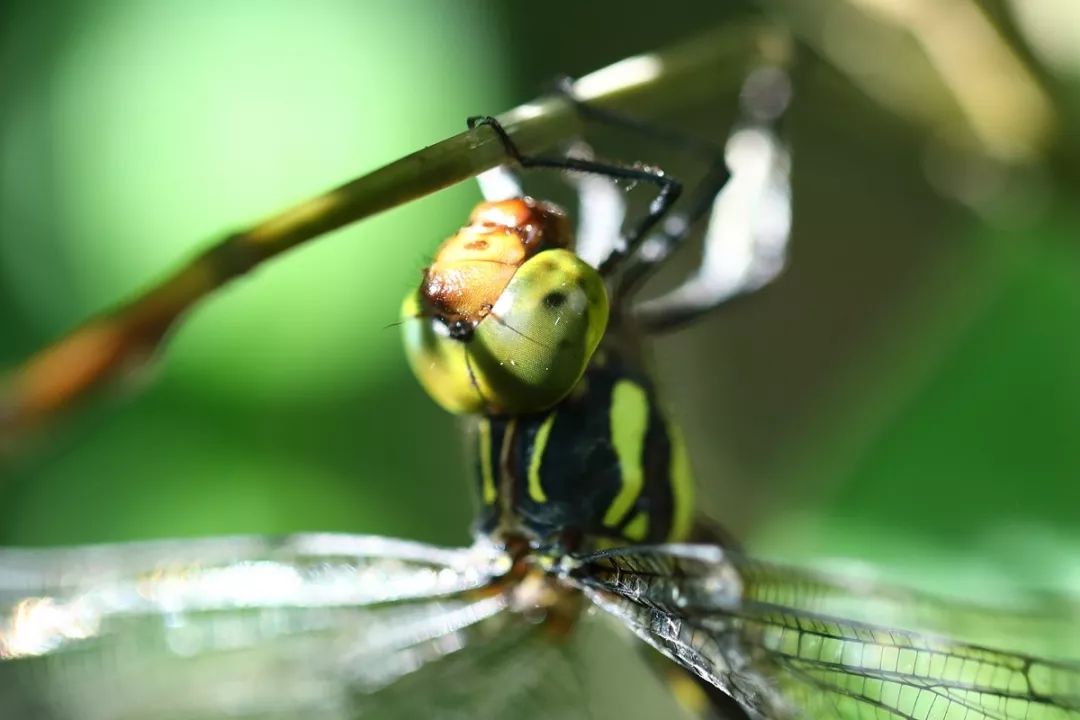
<point x="604" y="464"/>
<point x="629" y="412"/>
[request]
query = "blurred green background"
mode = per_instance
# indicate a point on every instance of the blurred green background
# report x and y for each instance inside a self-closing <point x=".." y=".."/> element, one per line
<point x="907" y="394"/>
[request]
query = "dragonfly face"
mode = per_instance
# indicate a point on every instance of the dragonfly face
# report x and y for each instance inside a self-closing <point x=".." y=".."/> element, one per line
<point x="584" y="500"/>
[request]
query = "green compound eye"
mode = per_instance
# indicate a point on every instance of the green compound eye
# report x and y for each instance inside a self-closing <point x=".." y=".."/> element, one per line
<point x="527" y="353"/>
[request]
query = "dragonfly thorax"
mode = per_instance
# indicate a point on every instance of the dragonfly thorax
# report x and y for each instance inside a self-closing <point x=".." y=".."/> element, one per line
<point x="603" y="465"/>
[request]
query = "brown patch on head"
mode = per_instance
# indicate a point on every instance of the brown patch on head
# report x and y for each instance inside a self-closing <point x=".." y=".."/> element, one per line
<point x="473" y="267"/>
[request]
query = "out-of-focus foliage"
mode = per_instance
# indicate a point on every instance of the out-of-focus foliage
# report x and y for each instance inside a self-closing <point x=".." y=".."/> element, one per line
<point x="905" y="394"/>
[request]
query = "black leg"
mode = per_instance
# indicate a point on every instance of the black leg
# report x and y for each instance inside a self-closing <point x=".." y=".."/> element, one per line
<point x="564" y="87"/>
<point x="668" y="189"/>
<point x="746" y="243"/>
<point x="676" y="227"/>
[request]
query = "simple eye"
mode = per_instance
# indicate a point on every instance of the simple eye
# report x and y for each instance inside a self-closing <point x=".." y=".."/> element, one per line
<point x="527" y="353"/>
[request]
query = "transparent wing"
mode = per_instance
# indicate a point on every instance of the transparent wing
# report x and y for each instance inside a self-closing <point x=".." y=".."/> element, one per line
<point x="313" y="626"/>
<point x="596" y="673"/>
<point x="787" y="643"/>
<point x="306" y="626"/>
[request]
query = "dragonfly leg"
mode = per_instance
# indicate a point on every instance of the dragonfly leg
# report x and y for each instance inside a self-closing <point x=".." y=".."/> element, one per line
<point x="676" y="226"/>
<point x="613" y="118"/>
<point x="745" y="244"/>
<point x="659" y="246"/>
<point x="601" y="211"/>
<point x="668" y="188"/>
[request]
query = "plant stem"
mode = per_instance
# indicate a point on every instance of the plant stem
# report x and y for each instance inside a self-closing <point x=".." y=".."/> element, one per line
<point x="128" y="335"/>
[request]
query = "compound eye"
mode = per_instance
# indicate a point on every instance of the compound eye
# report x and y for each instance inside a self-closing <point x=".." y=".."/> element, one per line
<point x="527" y="353"/>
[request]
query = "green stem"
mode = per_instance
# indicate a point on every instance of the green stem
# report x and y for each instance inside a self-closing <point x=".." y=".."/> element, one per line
<point x="645" y="86"/>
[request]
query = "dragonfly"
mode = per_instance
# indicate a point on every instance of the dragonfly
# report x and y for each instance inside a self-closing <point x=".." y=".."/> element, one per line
<point x="585" y="531"/>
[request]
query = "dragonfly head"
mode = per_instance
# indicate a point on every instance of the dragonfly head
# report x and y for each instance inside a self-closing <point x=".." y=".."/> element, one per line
<point x="506" y="317"/>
